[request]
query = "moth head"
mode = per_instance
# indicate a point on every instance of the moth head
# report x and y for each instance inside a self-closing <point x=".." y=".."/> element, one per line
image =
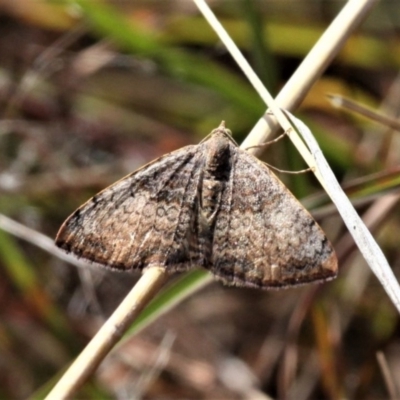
<point x="224" y="131"/>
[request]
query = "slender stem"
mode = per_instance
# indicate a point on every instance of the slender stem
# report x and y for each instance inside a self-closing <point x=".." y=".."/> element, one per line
<point x="313" y="66"/>
<point x="387" y="376"/>
<point x="342" y="102"/>
<point x="109" y="334"/>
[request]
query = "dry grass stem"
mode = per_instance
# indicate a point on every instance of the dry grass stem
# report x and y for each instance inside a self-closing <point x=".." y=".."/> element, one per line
<point x="109" y="334"/>
<point x="351" y="105"/>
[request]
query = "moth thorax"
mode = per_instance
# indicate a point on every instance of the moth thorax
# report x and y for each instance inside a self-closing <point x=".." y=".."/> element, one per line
<point x="218" y="160"/>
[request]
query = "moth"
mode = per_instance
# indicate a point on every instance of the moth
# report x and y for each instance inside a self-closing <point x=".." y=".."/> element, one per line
<point x="211" y="205"/>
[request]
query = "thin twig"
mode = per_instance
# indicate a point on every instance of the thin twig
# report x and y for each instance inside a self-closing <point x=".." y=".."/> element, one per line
<point x="38" y="239"/>
<point x="109" y="334"/>
<point x="372" y="217"/>
<point x="387" y="376"/>
<point x="340" y="101"/>
<point x="42" y="65"/>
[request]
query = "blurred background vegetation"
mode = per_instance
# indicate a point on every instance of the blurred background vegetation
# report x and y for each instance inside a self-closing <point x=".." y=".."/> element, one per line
<point x="91" y="90"/>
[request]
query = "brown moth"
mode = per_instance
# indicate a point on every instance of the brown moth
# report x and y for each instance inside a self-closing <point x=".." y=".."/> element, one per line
<point x="210" y="205"/>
